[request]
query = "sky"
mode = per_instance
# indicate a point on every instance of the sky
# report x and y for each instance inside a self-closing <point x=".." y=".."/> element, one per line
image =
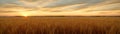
<point x="59" y="7"/>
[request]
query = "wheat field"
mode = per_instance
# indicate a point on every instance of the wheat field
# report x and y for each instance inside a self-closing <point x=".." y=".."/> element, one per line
<point x="59" y="25"/>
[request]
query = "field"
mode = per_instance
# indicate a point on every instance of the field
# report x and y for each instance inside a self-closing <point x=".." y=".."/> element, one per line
<point x="59" y="25"/>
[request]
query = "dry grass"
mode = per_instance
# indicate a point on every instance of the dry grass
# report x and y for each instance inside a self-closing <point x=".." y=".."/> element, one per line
<point x="60" y="25"/>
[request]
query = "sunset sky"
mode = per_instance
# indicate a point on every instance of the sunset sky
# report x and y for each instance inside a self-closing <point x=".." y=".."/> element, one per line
<point x="59" y="7"/>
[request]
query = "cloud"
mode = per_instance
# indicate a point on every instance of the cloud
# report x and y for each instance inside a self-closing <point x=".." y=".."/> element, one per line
<point x="7" y="1"/>
<point x="86" y="4"/>
<point x="72" y="2"/>
<point x="115" y="6"/>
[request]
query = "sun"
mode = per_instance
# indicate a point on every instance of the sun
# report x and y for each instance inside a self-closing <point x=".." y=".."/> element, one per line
<point x="24" y="14"/>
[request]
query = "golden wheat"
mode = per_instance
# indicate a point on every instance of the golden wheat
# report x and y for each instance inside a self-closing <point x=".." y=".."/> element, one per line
<point x="60" y="25"/>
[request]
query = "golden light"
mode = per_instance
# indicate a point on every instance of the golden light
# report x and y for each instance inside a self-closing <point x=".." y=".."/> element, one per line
<point x="25" y="14"/>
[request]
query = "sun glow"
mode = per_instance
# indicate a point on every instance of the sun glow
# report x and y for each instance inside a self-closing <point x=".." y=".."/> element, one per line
<point x="24" y="14"/>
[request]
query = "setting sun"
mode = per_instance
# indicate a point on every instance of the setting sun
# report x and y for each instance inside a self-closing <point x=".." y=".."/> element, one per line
<point x="24" y="14"/>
